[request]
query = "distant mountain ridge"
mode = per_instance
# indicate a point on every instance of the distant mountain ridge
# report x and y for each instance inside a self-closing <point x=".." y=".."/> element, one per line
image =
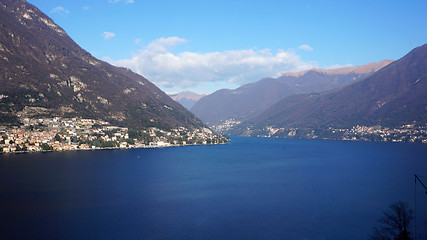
<point x="363" y="69"/>
<point x="252" y="99"/>
<point x="392" y="96"/>
<point x="186" y="98"/>
<point x="43" y="72"/>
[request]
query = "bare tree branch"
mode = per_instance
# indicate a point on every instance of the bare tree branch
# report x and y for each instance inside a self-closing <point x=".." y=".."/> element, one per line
<point x="395" y="223"/>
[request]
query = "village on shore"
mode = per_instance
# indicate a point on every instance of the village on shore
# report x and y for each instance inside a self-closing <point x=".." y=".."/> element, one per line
<point x="64" y="134"/>
<point x="411" y="133"/>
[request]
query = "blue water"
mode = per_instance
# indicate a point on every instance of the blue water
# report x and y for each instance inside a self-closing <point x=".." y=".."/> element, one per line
<point x="251" y="188"/>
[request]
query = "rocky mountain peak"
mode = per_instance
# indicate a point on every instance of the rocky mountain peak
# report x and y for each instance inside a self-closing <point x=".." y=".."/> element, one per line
<point x="44" y="72"/>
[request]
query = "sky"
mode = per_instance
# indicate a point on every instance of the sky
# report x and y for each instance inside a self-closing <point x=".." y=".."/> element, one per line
<point x="204" y="46"/>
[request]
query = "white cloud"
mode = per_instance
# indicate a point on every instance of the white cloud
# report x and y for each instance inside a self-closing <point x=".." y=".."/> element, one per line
<point x="189" y="69"/>
<point x="305" y="47"/>
<point x="86" y="8"/>
<point x="59" y="10"/>
<point x="108" y="35"/>
<point x="338" y="66"/>
<point x="125" y="1"/>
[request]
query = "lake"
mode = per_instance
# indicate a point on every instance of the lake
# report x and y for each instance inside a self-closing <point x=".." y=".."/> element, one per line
<point x="251" y="188"/>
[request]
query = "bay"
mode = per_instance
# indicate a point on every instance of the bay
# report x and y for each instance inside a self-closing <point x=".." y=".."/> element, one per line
<point x="251" y="188"/>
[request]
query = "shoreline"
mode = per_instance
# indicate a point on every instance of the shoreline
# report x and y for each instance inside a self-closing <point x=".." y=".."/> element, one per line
<point x="108" y="148"/>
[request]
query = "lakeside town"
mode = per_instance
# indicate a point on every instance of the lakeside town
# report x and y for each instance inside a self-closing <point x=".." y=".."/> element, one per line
<point x="405" y="133"/>
<point x="412" y="132"/>
<point x="64" y="134"/>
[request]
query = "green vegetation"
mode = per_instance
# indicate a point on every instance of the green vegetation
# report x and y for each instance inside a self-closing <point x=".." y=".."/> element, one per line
<point x="46" y="147"/>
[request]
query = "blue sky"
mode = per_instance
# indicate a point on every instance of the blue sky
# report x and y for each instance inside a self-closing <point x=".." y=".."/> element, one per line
<point x="207" y="45"/>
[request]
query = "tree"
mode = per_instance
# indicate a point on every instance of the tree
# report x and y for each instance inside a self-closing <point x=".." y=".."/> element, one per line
<point x="395" y="223"/>
<point x="135" y="134"/>
<point x="130" y="141"/>
<point x="58" y="138"/>
<point x="46" y="147"/>
<point x="18" y="148"/>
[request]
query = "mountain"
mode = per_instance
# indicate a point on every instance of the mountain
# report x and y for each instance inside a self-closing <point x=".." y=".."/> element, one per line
<point x="252" y="99"/>
<point x="43" y="72"/>
<point x="187" y="98"/>
<point x="392" y="96"/>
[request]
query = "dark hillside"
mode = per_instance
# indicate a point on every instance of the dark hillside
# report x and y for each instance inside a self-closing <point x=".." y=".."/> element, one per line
<point x="395" y="95"/>
<point x="252" y="99"/>
<point x="43" y="72"/>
